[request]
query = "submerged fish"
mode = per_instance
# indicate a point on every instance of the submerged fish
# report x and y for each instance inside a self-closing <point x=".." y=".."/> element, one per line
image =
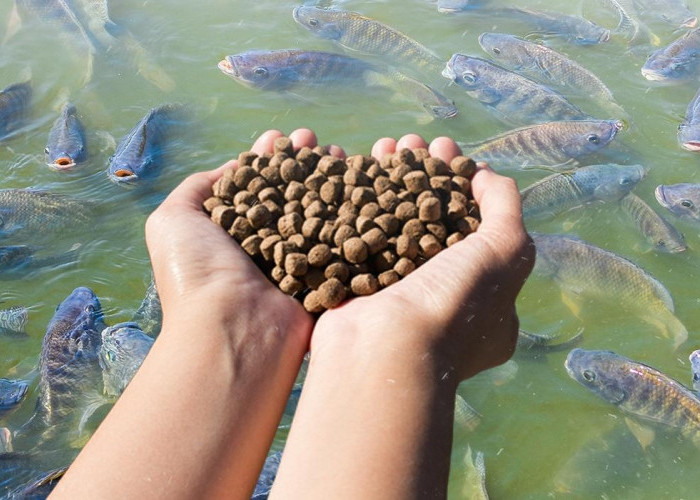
<point x="673" y="12"/>
<point x="66" y="145"/>
<point x="288" y="70"/>
<point x="637" y="389"/>
<point x="14" y="104"/>
<point x="267" y="476"/>
<point x="13" y="320"/>
<point x="16" y="260"/>
<point x="553" y="144"/>
<point x="538" y="342"/>
<point x="689" y="129"/>
<point x="630" y="21"/>
<point x="450" y="6"/>
<point x="586" y="270"/>
<point x="474" y="486"/>
<point x="546" y="65"/>
<point x="149" y="315"/>
<point x="657" y="230"/>
<point x="466" y="417"/>
<point x="357" y="32"/>
<point x="695" y="368"/>
<point x="512" y="97"/>
<point x="677" y="61"/>
<point x="563" y="191"/>
<point x="681" y="199"/>
<point x="41" y="486"/>
<point x="574" y="29"/>
<point x="12" y="393"/>
<point x="124" y="347"/>
<point x="140" y="153"/>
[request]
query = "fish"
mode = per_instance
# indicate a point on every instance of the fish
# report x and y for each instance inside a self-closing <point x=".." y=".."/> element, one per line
<point x="12" y="393"/>
<point x="678" y="61"/>
<point x="539" y="342"/>
<point x="630" y="21"/>
<point x="673" y="12"/>
<point x="566" y="190"/>
<point x="548" y="66"/>
<point x="13" y="321"/>
<point x="554" y="144"/>
<point x="683" y="199"/>
<point x="586" y="270"/>
<point x="637" y="389"/>
<point x="267" y="476"/>
<point x="511" y="97"/>
<point x="41" y="486"/>
<point x="29" y="215"/>
<point x="16" y="260"/>
<point x="124" y="347"/>
<point x="354" y="31"/>
<point x="452" y="6"/>
<point x="290" y="70"/>
<point x="695" y="368"/>
<point x="657" y="230"/>
<point x="573" y="29"/>
<point x="66" y="145"/>
<point x="140" y="154"/>
<point x="689" y="129"/>
<point x="69" y="370"/>
<point x="149" y="315"/>
<point x="14" y="107"/>
<point x="466" y="417"/>
<point x="474" y="486"/>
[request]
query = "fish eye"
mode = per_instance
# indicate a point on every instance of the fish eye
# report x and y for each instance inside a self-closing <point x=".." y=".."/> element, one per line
<point x="661" y="243"/>
<point x="593" y="139"/>
<point x="469" y="77"/>
<point x="313" y="22"/>
<point x="588" y="375"/>
<point x="89" y="308"/>
<point x="46" y="150"/>
<point x="624" y="181"/>
<point x="687" y="203"/>
<point x="496" y="51"/>
<point x="260" y="71"/>
<point x="579" y="38"/>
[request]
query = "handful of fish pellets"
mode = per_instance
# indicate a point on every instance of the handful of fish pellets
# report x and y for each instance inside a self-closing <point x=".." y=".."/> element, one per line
<point x="326" y="229"/>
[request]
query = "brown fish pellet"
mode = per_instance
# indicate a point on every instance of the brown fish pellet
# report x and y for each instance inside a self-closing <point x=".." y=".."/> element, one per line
<point x="251" y="245"/>
<point x="388" y="277"/>
<point x="355" y="250"/>
<point x="223" y="215"/>
<point x="296" y="264"/>
<point x="364" y="284"/>
<point x="289" y="224"/>
<point x="246" y="158"/>
<point x="291" y="285"/>
<point x="243" y="176"/>
<point x="331" y="293"/>
<point x="258" y="216"/>
<point x="463" y="166"/>
<point x="320" y="255"/>
<point x="283" y="145"/>
<point x="337" y="270"/>
<point x="212" y="202"/>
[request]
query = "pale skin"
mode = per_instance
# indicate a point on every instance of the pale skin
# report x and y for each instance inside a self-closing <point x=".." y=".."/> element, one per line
<point x="375" y="417"/>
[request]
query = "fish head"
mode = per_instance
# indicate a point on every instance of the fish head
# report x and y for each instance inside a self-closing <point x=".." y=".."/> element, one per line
<point x="79" y="318"/>
<point x="590" y="34"/>
<point x="450" y="6"/>
<point x="14" y="255"/>
<point x="682" y="199"/>
<point x="689" y="136"/>
<point x="269" y="70"/>
<point x="585" y="137"/>
<point x="127" y="172"/>
<point x="602" y="372"/>
<point x="671" y="63"/>
<point x="64" y="159"/>
<point x="466" y="71"/>
<point x="321" y="22"/>
<point x="124" y="347"/>
<point x="695" y="367"/>
<point x="616" y="181"/>
<point x="12" y="392"/>
<point x="501" y="46"/>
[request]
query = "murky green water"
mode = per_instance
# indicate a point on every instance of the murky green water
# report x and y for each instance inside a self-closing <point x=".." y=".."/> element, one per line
<point x="542" y="434"/>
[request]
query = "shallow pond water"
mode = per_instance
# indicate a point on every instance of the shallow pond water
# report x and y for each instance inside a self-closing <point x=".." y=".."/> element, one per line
<point x="542" y="434"/>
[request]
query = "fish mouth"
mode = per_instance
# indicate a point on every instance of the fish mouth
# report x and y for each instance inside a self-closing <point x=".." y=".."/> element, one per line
<point x="660" y="195"/>
<point x="605" y="37"/>
<point x="652" y="75"/>
<point x="123" y="175"/>
<point x="63" y="163"/>
<point x="691" y="145"/>
<point x="448" y="72"/>
<point x="691" y="22"/>
<point x="228" y="67"/>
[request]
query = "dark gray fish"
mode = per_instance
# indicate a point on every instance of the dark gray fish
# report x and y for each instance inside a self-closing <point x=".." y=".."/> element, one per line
<point x="681" y="199"/>
<point x="657" y="230"/>
<point x="560" y="192"/>
<point x="149" y="315"/>
<point x="32" y="475"/>
<point x="124" y="347"/>
<point x="585" y="270"/>
<point x="27" y="214"/>
<point x="267" y="476"/>
<point x="41" y="487"/>
<point x="13" y="321"/>
<point x="14" y="105"/>
<point x="511" y="97"/>
<point x="673" y="12"/>
<point x="695" y="368"/>
<point x="66" y="145"/>
<point x="573" y="29"/>
<point x="12" y="393"/>
<point x="141" y="152"/>
<point x="17" y="260"/>
<point x="689" y="129"/>
<point x="539" y="342"/>
<point x="677" y="61"/>
<point x="553" y="144"/>
<point x="637" y="389"/>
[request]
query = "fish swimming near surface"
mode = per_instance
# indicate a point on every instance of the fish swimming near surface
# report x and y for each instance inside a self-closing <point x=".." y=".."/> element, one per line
<point x="17" y="260"/>
<point x="630" y="22"/>
<point x="124" y="347"/>
<point x="563" y="191"/>
<point x="657" y="230"/>
<point x="689" y="129"/>
<point x="66" y="145"/>
<point x="637" y="389"/>
<point x="559" y="144"/>
<point x="585" y="270"/>
<point x="548" y="66"/>
<point x="13" y="321"/>
<point x="12" y="393"/>
<point x="673" y="12"/>
<point x="41" y="486"/>
<point x="14" y="107"/>
<point x="511" y="97"/>
<point x="149" y="315"/>
<point x="540" y="342"/>
<point x="678" y="61"/>
<point x="293" y="70"/>
<point x="140" y="154"/>
<point x="363" y="34"/>
<point x="681" y="199"/>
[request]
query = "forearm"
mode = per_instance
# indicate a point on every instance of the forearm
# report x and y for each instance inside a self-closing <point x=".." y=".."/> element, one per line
<point x="197" y="419"/>
<point x="374" y="421"/>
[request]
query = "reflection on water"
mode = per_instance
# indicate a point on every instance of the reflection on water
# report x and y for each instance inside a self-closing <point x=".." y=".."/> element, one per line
<point x="540" y="432"/>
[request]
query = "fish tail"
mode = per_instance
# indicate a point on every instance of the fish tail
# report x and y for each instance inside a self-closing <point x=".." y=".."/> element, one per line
<point x="146" y="66"/>
<point x="670" y="327"/>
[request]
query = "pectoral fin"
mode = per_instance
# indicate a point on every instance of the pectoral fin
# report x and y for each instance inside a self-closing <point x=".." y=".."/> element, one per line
<point x="645" y="435"/>
<point x="572" y="301"/>
<point x="14" y="24"/>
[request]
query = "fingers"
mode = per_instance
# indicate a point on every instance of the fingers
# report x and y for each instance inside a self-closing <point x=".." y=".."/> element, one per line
<point x="385" y="145"/>
<point x="442" y="147"/>
<point x="498" y="198"/>
<point x="411" y="141"/>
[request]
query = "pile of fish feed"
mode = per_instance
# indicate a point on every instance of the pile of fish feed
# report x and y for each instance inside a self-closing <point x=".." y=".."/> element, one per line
<point x="326" y="229"/>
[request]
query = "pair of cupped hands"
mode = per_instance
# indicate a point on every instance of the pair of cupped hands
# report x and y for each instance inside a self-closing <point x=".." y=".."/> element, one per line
<point x="458" y="306"/>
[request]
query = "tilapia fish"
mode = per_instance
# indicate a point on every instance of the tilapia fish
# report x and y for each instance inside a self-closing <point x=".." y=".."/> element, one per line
<point x="149" y="315"/>
<point x="689" y="129"/>
<point x="547" y="66"/>
<point x="513" y="98"/>
<point x="658" y="231"/>
<point x="574" y="29"/>
<point x="630" y="21"/>
<point x="140" y="153"/>
<point x="12" y="393"/>
<point x="357" y="32"/>
<point x="637" y="389"/>
<point x="560" y="192"/>
<point x="554" y="144"/>
<point x="586" y="270"/>
<point x="673" y="12"/>
<point x="17" y="260"/>
<point x="66" y="145"/>
<point x="124" y="347"/>
<point x="14" y="104"/>
<point x="677" y="61"/>
<point x="289" y="70"/>
<point x="681" y="199"/>
<point x="13" y="320"/>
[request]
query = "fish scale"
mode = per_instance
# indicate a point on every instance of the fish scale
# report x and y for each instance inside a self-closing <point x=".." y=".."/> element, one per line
<point x="657" y="230"/>
<point x="14" y="101"/>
